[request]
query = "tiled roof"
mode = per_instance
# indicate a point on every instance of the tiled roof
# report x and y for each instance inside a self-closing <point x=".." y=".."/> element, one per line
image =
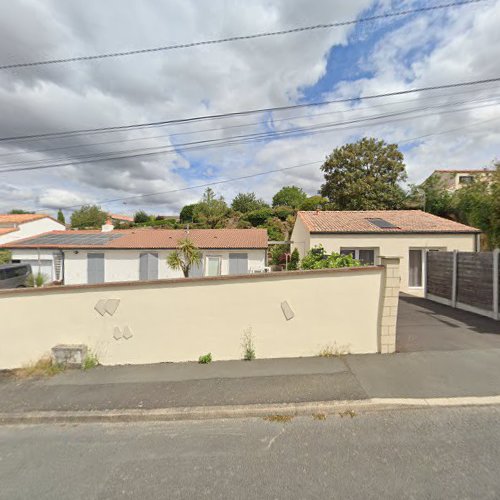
<point x="5" y="230"/>
<point x="126" y="218"/>
<point x="405" y="221"/>
<point x="20" y="218"/>
<point x="147" y="239"/>
<point x="465" y="171"/>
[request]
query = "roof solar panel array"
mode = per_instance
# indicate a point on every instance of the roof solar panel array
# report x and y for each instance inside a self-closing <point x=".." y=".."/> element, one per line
<point x="381" y="223"/>
<point x="73" y="239"/>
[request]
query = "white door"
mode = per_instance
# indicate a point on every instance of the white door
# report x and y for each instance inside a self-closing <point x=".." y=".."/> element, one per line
<point x="213" y="265"/>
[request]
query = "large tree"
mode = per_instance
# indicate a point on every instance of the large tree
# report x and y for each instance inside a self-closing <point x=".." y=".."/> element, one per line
<point x="60" y="217"/>
<point x="290" y="196"/>
<point x="210" y="211"/>
<point x="364" y="175"/>
<point x="247" y="202"/>
<point x="88" y="217"/>
<point x="187" y="213"/>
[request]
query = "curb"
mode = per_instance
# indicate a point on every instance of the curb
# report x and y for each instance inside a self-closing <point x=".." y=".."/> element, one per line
<point x="240" y="411"/>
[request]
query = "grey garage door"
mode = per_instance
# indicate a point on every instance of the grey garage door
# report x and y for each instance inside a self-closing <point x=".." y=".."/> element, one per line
<point x="148" y="266"/>
<point x="95" y="268"/>
<point x="238" y="263"/>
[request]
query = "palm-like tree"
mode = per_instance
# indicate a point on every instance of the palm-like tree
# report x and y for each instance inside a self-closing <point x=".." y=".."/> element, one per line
<point x="186" y="256"/>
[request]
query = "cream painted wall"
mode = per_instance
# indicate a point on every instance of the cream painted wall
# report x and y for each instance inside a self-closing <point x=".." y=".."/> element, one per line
<point x="300" y="238"/>
<point x="33" y="228"/>
<point x="396" y="245"/>
<point x="123" y="265"/>
<point x="180" y="320"/>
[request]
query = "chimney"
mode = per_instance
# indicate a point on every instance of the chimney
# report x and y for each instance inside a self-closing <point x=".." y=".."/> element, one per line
<point x="108" y="226"/>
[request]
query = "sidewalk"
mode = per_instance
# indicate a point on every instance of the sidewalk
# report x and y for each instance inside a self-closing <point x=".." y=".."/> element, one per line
<point x="354" y="378"/>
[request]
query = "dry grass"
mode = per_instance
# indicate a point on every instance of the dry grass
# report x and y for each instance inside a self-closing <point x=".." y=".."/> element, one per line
<point x="333" y="350"/>
<point x="44" y="367"/>
<point x="347" y="413"/>
<point x="319" y="416"/>
<point x="283" y="419"/>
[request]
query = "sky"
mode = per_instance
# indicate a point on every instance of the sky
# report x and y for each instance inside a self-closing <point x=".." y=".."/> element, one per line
<point x="445" y="129"/>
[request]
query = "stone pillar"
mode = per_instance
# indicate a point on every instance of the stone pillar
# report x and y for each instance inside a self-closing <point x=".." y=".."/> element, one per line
<point x="389" y="304"/>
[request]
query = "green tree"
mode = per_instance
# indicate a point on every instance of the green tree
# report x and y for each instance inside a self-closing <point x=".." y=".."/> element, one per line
<point x="141" y="217"/>
<point x="60" y="217"/>
<point x="315" y="202"/>
<point x="258" y="217"/>
<point x="184" y="257"/>
<point x="5" y="256"/>
<point x="247" y="202"/>
<point x="477" y="205"/>
<point x="210" y="211"/>
<point x="431" y="196"/>
<point x="18" y="211"/>
<point x="291" y="196"/>
<point x="278" y="254"/>
<point x="293" y="265"/>
<point x="318" y="258"/>
<point x="88" y="217"/>
<point x="364" y="175"/>
<point x="187" y="213"/>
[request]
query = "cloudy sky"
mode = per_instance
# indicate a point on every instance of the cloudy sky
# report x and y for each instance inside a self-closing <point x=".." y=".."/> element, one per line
<point x="453" y="128"/>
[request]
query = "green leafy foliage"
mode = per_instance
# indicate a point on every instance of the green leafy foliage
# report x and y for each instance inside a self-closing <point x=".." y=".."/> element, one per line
<point x="90" y="361"/>
<point x="88" y="217"/>
<point x="141" y="217"/>
<point x="211" y="210"/>
<point x="283" y="212"/>
<point x="315" y="202"/>
<point x="318" y="258"/>
<point x="36" y="280"/>
<point x="60" y="217"/>
<point x="365" y="175"/>
<point x="290" y="196"/>
<point x="187" y="213"/>
<point x="186" y="256"/>
<point x="5" y="256"/>
<point x="205" y="358"/>
<point x="278" y="253"/>
<point x="259" y="217"/>
<point x="247" y="202"/>
<point x="431" y="196"/>
<point x="248" y="345"/>
<point x="293" y="265"/>
<point x="18" y="211"/>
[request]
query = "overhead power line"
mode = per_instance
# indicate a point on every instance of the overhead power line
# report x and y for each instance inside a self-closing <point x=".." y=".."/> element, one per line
<point x="240" y="38"/>
<point x="259" y="174"/>
<point x="248" y="112"/>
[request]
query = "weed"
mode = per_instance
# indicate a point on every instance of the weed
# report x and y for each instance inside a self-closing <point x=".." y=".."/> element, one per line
<point x="347" y="413"/>
<point x="333" y="350"/>
<point x="319" y="416"/>
<point x="248" y="345"/>
<point x="36" y="280"/>
<point x="44" y="367"/>
<point x="206" y="358"/>
<point x="90" y="361"/>
<point x="283" y="419"/>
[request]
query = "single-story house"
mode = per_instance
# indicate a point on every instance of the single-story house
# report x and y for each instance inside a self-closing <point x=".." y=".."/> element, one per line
<point x="19" y="226"/>
<point x="368" y="235"/>
<point x="109" y="255"/>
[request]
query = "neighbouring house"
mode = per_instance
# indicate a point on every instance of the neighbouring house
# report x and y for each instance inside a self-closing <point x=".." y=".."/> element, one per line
<point x="369" y="235"/>
<point x="120" y="219"/>
<point x="108" y="255"/>
<point x="455" y="179"/>
<point x="19" y="226"/>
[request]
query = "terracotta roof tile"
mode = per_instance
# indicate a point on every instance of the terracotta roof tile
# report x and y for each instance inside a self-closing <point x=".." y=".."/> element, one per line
<point x="5" y="230"/>
<point x="405" y="221"/>
<point x="150" y="238"/>
<point x="20" y="218"/>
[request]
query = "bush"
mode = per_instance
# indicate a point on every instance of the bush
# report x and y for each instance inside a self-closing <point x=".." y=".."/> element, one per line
<point x="293" y="265"/>
<point x="90" y="361"/>
<point x="317" y="258"/>
<point x="5" y="256"/>
<point x="278" y="254"/>
<point x="259" y="217"/>
<point x="206" y="358"/>
<point x="36" y="280"/>
<point x="141" y="216"/>
<point x="283" y="212"/>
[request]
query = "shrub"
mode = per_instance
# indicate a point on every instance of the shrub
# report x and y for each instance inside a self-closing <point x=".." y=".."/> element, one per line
<point x="317" y="258"/>
<point x="278" y="254"/>
<point x="141" y="216"/>
<point x="36" y="280"/>
<point x="90" y="361"/>
<point x="259" y="217"/>
<point x="293" y="265"/>
<point x="248" y="345"/>
<point x="5" y="256"/>
<point x="206" y="358"/>
<point x="283" y="212"/>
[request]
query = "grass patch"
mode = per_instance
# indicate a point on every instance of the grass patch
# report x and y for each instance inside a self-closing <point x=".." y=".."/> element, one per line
<point x="319" y="416"/>
<point x="333" y="351"/>
<point x="90" y="361"/>
<point x="282" y="419"/>
<point x="347" y="413"/>
<point x="248" y="345"/>
<point x="44" y="367"/>
<point x="205" y="359"/>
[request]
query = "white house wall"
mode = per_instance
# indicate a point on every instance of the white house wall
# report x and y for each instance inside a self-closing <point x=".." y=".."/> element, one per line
<point x="395" y="245"/>
<point x="123" y="265"/>
<point x="27" y="229"/>
<point x="300" y="237"/>
<point x="36" y="259"/>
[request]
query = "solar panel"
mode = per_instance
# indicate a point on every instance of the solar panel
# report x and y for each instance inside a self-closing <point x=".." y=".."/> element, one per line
<point x="73" y="239"/>
<point x="382" y="223"/>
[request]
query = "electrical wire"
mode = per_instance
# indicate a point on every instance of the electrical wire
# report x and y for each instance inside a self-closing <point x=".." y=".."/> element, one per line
<point x="240" y="38"/>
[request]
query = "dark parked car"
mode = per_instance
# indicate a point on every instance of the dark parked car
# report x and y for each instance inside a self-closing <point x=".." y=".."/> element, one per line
<point x="14" y="275"/>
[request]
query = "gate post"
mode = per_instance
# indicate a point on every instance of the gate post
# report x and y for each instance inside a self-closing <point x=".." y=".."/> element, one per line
<point x="496" y="265"/>
<point x="389" y="304"/>
<point x="454" y="280"/>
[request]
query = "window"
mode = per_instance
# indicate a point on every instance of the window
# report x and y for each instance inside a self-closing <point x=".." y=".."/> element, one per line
<point x="416" y="263"/>
<point x="365" y="255"/>
<point x="213" y="265"/>
<point x="465" y="179"/>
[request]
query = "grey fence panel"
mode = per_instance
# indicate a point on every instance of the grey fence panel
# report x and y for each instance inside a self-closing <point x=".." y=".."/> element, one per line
<point x="475" y="279"/>
<point x="439" y="277"/>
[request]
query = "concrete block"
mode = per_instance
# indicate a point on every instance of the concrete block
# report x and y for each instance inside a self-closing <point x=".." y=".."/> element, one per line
<point x="392" y="282"/>
<point x="391" y="301"/>
<point x="70" y="355"/>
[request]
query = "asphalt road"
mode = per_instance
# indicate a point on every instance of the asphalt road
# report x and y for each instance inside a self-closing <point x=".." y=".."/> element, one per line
<point x="431" y="453"/>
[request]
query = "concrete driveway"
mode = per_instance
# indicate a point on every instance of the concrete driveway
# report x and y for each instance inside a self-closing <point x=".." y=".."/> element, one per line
<point x="424" y="325"/>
